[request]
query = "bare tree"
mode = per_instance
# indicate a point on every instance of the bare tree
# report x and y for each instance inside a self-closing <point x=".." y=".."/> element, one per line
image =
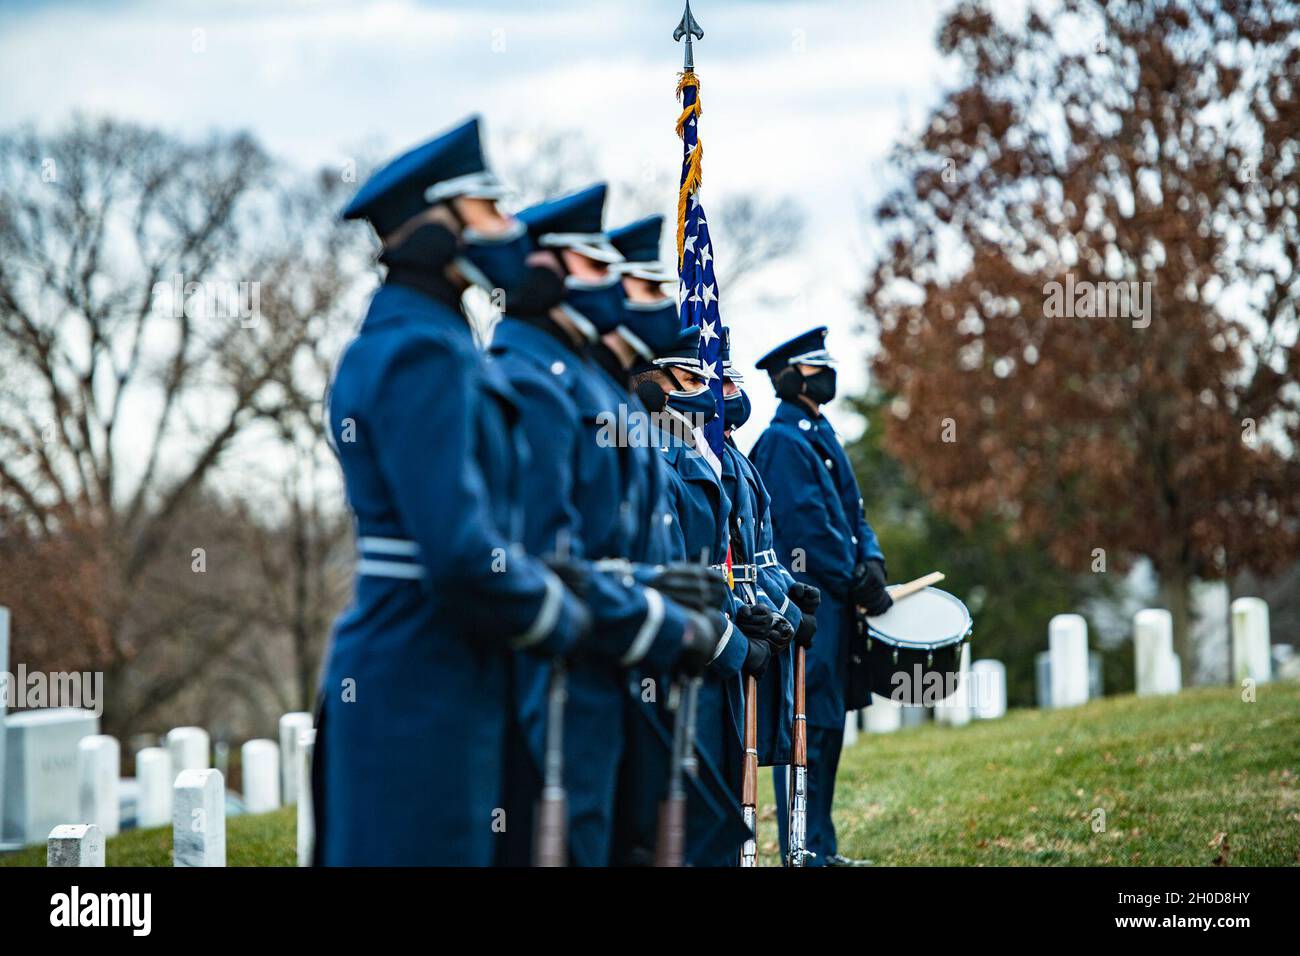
<point x="161" y="302"/>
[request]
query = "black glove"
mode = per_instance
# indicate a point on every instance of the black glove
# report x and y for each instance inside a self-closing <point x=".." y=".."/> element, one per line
<point x="757" y="658"/>
<point x="868" y="589"/>
<point x="693" y="586"/>
<point x="805" y="597"/>
<point x="781" y="634"/>
<point x="571" y="574"/>
<point x="807" y="628"/>
<point x="754" y="621"/>
<point x="699" y="641"/>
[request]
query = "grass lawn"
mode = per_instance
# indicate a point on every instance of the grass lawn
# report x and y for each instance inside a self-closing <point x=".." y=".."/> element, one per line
<point x="264" y="839"/>
<point x="1194" y="780"/>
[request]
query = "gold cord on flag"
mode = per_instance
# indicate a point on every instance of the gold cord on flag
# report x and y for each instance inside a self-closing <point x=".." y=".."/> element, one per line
<point x="694" y="175"/>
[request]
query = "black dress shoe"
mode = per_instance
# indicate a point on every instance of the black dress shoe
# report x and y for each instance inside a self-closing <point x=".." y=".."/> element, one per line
<point x="839" y="859"/>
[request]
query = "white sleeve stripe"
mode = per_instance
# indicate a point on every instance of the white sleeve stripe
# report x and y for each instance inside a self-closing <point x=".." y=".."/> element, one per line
<point x="544" y="623"/>
<point x="654" y="616"/>
<point x="722" y="643"/>
<point x="401" y="547"/>
<point x="390" y="569"/>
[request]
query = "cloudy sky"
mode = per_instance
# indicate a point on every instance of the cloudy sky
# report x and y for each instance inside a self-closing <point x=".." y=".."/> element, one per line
<point x="801" y="98"/>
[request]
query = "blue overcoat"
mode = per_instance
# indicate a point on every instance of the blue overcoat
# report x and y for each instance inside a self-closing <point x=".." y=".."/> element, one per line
<point x="820" y="534"/>
<point x="582" y="499"/>
<point x="751" y="530"/>
<point x="416" y="685"/>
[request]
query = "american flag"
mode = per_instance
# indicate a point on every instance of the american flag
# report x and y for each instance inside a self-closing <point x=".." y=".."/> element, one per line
<point x="697" y="290"/>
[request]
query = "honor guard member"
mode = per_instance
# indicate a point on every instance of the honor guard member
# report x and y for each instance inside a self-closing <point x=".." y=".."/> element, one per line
<point x="579" y="503"/>
<point x="416" y="689"/>
<point x="820" y="530"/>
<point x="698" y="506"/>
<point x="650" y="329"/>
<point x="758" y="576"/>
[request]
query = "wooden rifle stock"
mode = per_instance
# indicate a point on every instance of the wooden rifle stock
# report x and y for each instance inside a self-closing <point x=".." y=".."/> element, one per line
<point x="670" y="839"/>
<point x="749" y="778"/>
<point x="551" y="825"/>
<point x="798" y="796"/>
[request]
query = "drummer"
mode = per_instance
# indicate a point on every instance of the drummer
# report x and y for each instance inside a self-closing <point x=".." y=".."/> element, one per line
<point x="822" y="536"/>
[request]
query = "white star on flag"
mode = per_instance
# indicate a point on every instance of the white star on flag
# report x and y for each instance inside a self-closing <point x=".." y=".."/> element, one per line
<point x="705" y="255"/>
<point x="707" y="333"/>
<point x="710" y="295"/>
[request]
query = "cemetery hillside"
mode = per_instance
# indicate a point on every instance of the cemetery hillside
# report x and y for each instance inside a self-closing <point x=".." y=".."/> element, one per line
<point x="1199" y="779"/>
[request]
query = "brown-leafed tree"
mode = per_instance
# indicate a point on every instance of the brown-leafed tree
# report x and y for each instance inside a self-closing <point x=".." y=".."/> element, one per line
<point x="1087" y="293"/>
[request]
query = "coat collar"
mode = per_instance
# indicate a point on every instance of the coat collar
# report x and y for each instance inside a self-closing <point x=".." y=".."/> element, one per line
<point x="798" y="415"/>
<point x="532" y="340"/>
<point x="685" y="459"/>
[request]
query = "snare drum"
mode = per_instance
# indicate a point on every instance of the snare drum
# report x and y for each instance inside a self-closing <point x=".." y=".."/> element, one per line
<point x="919" y="636"/>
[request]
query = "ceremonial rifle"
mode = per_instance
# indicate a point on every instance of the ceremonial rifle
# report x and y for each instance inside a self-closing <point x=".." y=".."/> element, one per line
<point x="798" y="805"/>
<point x="749" y="780"/>
<point x="671" y="838"/>
<point x="552" y="823"/>
<point x="552" y="807"/>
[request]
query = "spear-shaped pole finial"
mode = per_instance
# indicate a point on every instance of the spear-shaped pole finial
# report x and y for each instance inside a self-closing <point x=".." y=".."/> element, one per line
<point x="688" y="28"/>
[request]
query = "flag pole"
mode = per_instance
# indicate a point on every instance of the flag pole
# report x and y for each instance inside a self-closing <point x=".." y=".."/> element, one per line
<point x="688" y="29"/>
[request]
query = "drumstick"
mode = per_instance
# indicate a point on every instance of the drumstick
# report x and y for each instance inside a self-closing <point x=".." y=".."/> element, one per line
<point x="900" y="591"/>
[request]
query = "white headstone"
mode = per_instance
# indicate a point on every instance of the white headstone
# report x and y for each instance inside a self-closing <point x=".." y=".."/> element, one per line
<point x="1043" y="679"/>
<point x="190" y="749"/>
<point x="1067" y="642"/>
<point x="1096" y="686"/>
<point x="4" y="699"/>
<point x="1250" y="641"/>
<point x="306" y="812"/>
<point x="153" y="773"/>
<point x="988" y="689"/>
<point x="199" y="819"/>
<point x="260" y="763"/>
<point x="850" y="728"/>
<point x="884" y="716"/>
<point x="914" y="716"/>
<point x="75" y="844"/>
<point x="291" y="727"/>
<point x="955" y="709"/>
<point x="41" y="784"/>
<point x="1155" y="666"/>
<point x="99" y="765"/>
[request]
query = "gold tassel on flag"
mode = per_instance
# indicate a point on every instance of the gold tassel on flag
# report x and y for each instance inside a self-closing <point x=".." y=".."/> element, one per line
<point x="694" y="169"/>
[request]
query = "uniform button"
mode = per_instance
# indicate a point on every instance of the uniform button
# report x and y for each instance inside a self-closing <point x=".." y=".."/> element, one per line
<point x="829" y="463"/>
<point x="668" y="519"/>
<point x="557" y="367"/>
<point x="855" y="539"/>
<point x="804" y="424"/>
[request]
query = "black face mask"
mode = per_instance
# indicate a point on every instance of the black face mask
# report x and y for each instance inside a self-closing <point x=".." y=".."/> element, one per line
<point x="421" y="261"/>
<point x="431" y="247"/>
<point x="820" y="386"/>
<point x="652" y="396"/>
